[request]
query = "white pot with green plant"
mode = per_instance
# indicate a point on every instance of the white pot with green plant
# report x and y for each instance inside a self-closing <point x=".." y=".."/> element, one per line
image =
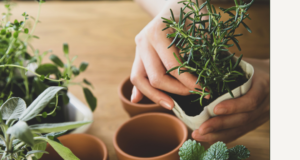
<point x="203" y="41"/>
<point x="20" y="141"/>
<point x="23" y="73"/>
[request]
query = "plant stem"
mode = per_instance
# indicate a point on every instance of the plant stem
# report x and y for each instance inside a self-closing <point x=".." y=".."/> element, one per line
<point x="38" y="75"/>
<point x="35" y="23"/>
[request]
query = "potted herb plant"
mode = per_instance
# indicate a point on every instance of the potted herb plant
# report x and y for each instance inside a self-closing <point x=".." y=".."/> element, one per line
<point x="21" y="141"/>
<point x="23" y="73"/>
<point x="203" y="45"/>
<point x="192" y="150"/>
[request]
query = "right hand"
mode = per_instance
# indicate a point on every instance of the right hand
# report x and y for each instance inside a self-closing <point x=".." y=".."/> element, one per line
<point x="152" y="60"/>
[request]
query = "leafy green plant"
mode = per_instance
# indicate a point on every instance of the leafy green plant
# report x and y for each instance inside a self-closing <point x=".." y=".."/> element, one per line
<point x="204" y="43"/>
<point x="191" y="150"/>
<point x="17" y="55"/>
<point x="18" y="141"/>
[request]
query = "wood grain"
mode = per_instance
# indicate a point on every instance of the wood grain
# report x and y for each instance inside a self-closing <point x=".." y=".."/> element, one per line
<point x="102" y="33"/>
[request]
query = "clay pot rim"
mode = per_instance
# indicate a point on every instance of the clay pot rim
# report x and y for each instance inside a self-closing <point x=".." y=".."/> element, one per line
<point x="179" y="122"/>
<point x="99" y="141"/>
<point x="124" y="99"/>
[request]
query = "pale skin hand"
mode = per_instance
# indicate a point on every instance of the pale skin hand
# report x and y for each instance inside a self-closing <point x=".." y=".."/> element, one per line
<point x="238" y="116"/>
<point x="153" y="59"/>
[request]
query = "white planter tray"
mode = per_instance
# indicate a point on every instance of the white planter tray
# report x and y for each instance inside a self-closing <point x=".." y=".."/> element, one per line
<point x="77" y="111"/>
<point x="194" y="122"/>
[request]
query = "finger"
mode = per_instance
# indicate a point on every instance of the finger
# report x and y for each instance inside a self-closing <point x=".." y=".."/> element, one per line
<point x="160" y="44"/>
<point x="136" y="95"/>
<point x="230" y="134"/>
<point x="234" y="120"/>
<point x="156" y="72"/>
<point x="139" y="79"/>
<point x="245" y="103"/>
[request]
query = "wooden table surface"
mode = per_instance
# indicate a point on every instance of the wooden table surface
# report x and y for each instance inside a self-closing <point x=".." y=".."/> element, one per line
<point x="102" y="33"/>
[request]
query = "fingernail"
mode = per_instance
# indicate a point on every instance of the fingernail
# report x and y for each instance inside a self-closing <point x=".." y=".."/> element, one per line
<point x="165" y="104"/>
<point x="207" y="130"/>
<point x="221" y="111"/>
<point x="197" y="136"/>
<point x="132" y="95"/>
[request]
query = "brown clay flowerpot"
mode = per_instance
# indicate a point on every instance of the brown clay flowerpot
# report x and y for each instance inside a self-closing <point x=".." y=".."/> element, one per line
<point x="150" y="136"/>
<point x="144" y="106"/>
<point x="84" y="146"/>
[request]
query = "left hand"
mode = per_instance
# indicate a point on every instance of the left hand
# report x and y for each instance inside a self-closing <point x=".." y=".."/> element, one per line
<point x="238" y="116"/>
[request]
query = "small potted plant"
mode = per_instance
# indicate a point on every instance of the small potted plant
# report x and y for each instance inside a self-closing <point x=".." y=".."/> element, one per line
<point x="21" y="141"/>
<point x="23" y="73"/>
<point x="203" y="45"/>
<point x="192" y="150"/>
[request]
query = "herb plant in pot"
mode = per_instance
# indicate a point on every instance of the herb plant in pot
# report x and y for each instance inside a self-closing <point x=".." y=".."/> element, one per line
<point x="20" y="141"/>
<point x="23" y="73"/>
<point x="203" y="45"/>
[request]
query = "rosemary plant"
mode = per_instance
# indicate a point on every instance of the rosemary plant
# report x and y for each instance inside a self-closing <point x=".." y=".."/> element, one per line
<point x="203" y="41"/>
<point x="18" y="79"/>
<point x="20" y="141"/>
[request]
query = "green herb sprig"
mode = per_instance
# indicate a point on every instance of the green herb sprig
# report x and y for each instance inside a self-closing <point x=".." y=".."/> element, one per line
<point x="203" y="40"/>
<point x="192" y="150"/>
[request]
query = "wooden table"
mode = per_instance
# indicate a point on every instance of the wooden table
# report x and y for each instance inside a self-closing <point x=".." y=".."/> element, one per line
<point x="102" y="33"/>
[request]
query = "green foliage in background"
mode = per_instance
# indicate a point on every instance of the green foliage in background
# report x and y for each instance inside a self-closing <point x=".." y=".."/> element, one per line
<point x="19" y="59"/>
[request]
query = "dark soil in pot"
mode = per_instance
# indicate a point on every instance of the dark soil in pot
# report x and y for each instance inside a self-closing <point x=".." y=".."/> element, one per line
<point x="193" y="108"/>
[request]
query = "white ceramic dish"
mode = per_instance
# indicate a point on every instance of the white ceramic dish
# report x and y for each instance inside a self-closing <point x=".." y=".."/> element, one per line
<point x="77" y="111"/>
<point x="194" y="122"/>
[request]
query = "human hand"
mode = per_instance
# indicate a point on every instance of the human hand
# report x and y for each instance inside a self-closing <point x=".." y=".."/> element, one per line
<point x="151" y="62"/>
<point x="238" y="116"/>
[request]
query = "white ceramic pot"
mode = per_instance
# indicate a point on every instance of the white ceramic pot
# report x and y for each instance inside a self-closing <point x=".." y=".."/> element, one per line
<point x="77" y="111"/>
<point x="194" y="122"/>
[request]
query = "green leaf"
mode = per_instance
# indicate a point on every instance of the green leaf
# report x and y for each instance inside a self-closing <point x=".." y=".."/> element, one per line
<point x="40" y="103"/>
<point x="217" y="151"/>
<point x="66" y="48"/>
<point x="87" y="82"/>
<point x="56" y="127"/>
<point x="244" y="24"/>
<point x="63" y="151"/>
<point x="39" y="146"/>
<point x="191" y="150"/>
<point x="12" y="108"/>
<point x="22" y="132"/>
<point x="39" y="86"/>
<point x="238" y="61"/>
<point x="56" y="60"/>
<point x="83" y="66"/>
<point x="36" y="152"/>
<point x="47" y="68"/>
<point x="75" y="70"/>
<point x="26" y="30"/>
<point x="238" y="152"/>
<point x="92" y="101"/>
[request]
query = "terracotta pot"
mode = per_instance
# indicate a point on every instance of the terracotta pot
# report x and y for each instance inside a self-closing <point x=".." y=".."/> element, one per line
<point x="144" y="106"/>
<point x="150" y="136"/>
<point x="84" y="146"/>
